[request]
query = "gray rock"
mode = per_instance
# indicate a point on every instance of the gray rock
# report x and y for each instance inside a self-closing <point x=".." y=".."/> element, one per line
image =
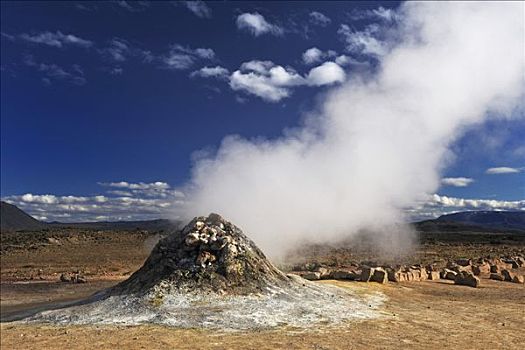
<point x="366" y="273"/>
<point x="466" y="278"/>
<point x="518" y="279"/>
<point x="433" y="275"/>
<point x="481" y="269"/>
<point x="508" y="275"/>
<point x="448" y="274"/>
<point x="379" y="275"/>
<point x="312" y="276"/>
<point x="497" y="277"/>
<point x="64" y="278"/>
<point x="464" y="262"/>
<point x="344" y="275"/>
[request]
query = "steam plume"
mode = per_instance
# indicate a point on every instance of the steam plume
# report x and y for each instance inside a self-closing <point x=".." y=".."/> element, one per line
<point x="379" y="143"/>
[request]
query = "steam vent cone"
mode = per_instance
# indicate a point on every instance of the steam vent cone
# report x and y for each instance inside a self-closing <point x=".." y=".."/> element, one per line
<point x="210" y="254"/>
<point x="210" y="275"/>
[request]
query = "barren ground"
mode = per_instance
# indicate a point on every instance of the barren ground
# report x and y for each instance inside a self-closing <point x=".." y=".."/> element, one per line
<point x="430" y="314"/>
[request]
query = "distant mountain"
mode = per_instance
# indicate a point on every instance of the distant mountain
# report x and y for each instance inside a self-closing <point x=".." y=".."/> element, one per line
<point x="14" y="219"/>
<point x="514" y="220"/>
<point x="148" y="225"/>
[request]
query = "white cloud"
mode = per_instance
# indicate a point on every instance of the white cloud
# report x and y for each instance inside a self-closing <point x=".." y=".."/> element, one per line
<point x="118" y="50"/>
<point x="178" y="61"/>
<point x="54" y="72"/>
<point x="199" y="8"/>
<point x="344" y="60"/>
<point x="502" y="170"/>
<point x="265" y="79"/>
<point x="312" y="55"/>
<point x="56" y="39"/>
<point x="181" y="57"/>
<point x="133" y="6"/>
<point x="257" y="25"/>
<point x="364" y="42"/>
<point x="383" y="13"/>
<point x="120" y="193"/>
<point x="326" y="74"/>
<point x="457" y="181"/>
<point x="211" y="72"/>
<point x="272" y="82"/>
<point x="319" y="19"/>
<point x="139" y="201"/>
<point x="137" y="186"/>
<point x="44" y="199"/>
<point x="477" y="204"/>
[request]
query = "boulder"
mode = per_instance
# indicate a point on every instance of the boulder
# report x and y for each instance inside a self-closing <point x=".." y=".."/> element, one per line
<point x="518" y="279"/>
<point x="512" y="263"/>
<point x="481" y="269"/>
<point x="465" y="278"/>
<point x="423" y="274"/>
<point x="409" y="276"/>
<point x="366" y="273"/>
<point x="324" y="273"/>
<point x="80" y="279"/>
<point x="344" y="275"/>
<point x="495" y="269"/>
<point x="464" y="262"/>
<point x="496" y="277"/>
<point x="64" y="278"/>
<point x="508" y="275"/>
<point x="448" y="274"/>
<point x="380" y="275"/>
<point x="433" y="275"/>
<point x="396" y="275"/>
<point x="416" y="274"/>
<point x="312" y="276"/>
<point x="52" y="240"/>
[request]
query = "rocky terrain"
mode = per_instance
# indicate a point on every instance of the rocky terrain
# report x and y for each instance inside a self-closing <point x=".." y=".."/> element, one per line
<point x="52" y="268"/>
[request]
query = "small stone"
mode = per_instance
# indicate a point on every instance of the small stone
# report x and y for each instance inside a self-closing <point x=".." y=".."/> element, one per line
<point x="205" y="258"/>
<point x="192" y="239"/>
<point x="199" y="225"/>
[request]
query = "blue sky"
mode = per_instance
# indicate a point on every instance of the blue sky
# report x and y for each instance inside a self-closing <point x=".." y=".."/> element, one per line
<point x="110" y="100"/>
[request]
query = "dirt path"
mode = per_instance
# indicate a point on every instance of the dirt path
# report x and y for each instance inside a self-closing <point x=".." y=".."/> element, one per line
<point x="424" y="315"/>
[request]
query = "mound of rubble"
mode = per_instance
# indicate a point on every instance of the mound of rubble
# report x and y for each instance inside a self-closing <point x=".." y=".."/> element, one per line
<point x="208" y="255"/>
<point x="209" y="274"/>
